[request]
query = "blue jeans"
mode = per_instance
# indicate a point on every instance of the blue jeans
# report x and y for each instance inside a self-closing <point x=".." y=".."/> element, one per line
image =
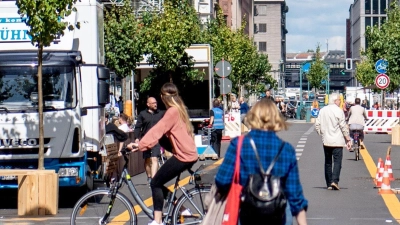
<point x="335" y="153"/>
<point x="289" y="217"/>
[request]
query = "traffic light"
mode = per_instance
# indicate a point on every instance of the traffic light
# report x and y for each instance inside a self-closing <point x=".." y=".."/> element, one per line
<point x="349" y="64"/>
<point x="343" y="72"/>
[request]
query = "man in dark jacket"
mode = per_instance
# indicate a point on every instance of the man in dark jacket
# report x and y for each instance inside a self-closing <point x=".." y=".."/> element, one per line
<point x="146" y="120"/>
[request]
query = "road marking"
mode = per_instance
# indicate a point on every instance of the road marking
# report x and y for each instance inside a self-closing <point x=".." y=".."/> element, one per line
<point x="302" y="142"/>
<point x="303" y="139"/>
<point x="391" y="200"/>
<point x="300" y="146"/>
<point x="149" y="202"/>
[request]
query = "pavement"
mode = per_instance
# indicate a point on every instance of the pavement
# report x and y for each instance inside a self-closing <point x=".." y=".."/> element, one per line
<point x="358" y="201"/>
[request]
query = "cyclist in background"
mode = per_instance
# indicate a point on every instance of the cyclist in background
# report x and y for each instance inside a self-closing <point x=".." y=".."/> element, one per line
<point x="356" y="115"/>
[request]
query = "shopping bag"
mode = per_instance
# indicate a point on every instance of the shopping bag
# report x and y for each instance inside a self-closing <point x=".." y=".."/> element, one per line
<point x="231" y="213"/>
<point x="215" y="203"/>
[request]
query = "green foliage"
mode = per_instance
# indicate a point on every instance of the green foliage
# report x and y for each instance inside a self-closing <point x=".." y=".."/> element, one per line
<point x="318" y="70"/>
<point x="166" y="36"/>
<point x="249" y="68"/>
<point x="365" y="72"/>
<point x="384" y="43"/>
<point x="44" y="18"/>
<point x="123" y="41"/>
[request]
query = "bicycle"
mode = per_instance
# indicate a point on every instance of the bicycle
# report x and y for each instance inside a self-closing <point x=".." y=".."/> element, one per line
<point x="109" y="206"/>
<point x="355" y="133"/>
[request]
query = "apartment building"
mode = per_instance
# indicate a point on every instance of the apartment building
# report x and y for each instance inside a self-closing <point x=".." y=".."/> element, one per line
<point x="270" y="32"/>
<point x="363" y="13"/>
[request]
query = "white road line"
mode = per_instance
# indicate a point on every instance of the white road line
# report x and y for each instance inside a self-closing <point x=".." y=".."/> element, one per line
<point x="302" y="142"/>
<point x="299" y="149"/>
<point x="300" y="146"/>
<point x="303" y="139"/>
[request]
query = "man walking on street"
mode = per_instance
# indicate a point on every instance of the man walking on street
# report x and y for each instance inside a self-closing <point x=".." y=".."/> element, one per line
<point x="217" y="122"/>
<point x="146" y="120"/>
<point x="268" y="95"/>
<point x="331" y="125"/>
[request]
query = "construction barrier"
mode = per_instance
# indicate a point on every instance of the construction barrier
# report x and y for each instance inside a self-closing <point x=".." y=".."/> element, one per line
<point x="232" y="124"/>
<point x="381" y="121"/>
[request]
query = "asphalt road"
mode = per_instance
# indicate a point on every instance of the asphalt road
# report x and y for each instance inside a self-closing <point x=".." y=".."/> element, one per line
<point x="357" y="202"/>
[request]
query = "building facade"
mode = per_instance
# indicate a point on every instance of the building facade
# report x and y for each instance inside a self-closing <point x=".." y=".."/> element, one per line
<point x="362" y="14"/>
<point x="270" y="32"/>
<point x="335" y="59"/>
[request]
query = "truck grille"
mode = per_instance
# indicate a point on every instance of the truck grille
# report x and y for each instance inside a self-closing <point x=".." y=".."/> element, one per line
<point x="21" y="151"/>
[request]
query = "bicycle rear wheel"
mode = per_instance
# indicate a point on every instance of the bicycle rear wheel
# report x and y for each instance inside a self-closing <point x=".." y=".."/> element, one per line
<point x="191" y="209"/>
<point x="357" y="151"/>
<point x="92" y="207"/>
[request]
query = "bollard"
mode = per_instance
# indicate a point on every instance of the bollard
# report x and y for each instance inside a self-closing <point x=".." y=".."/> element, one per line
<point x="308" y="114"/>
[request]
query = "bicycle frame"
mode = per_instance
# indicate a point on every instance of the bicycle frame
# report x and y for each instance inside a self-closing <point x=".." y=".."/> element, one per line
<point x="126" y="178"/>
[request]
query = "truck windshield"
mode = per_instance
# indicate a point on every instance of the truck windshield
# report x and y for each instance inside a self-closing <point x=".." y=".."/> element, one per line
<point x="19" y="91"/>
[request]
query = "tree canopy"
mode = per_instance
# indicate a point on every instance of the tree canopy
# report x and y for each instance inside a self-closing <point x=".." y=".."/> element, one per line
<point x="383" y="43"/>
<point x="318" y="70"/>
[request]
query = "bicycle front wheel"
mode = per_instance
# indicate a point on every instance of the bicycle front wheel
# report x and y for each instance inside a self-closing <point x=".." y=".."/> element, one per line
<point x="190" y="209"/>
<point x="93" y="206"/>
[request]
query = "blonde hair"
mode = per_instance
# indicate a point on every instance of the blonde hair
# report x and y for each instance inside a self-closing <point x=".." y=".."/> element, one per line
<point x="264" y="115"/>
<point x="171" y="98"/>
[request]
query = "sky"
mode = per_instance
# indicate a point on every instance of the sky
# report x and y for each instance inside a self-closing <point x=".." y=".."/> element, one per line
<point x="310" y="22"/>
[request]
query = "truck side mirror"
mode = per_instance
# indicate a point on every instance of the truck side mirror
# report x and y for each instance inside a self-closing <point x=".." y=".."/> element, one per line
<point x="103" y="87"/>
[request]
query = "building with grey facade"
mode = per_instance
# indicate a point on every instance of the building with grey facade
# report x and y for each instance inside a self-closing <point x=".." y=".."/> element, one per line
<point x="270" y="32"/>
<point x="363" y="13"/>
<point x="335" y="59"/>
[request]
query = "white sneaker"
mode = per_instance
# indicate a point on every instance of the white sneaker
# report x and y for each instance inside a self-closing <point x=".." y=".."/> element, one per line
<point x="155" y="223"/>
<point x="186" y="212"/>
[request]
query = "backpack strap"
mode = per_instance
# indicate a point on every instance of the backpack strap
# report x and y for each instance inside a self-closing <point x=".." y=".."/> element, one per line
<point x="268" y="172"/>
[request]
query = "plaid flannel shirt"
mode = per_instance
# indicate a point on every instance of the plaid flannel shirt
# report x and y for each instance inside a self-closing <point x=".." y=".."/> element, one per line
<point x="268" y="144"/>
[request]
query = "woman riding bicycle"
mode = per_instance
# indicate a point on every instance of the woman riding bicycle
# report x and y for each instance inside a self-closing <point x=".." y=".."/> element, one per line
<point x="356" y="118"/>
<point x="176" y="126"/>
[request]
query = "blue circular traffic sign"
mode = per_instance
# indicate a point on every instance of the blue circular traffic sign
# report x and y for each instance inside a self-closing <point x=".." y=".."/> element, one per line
<point x="314" y="112"/>
<point x="381" y="66"/>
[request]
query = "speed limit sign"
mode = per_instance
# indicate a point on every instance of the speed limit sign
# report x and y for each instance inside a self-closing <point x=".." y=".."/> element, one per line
<point x="382" y="81"/>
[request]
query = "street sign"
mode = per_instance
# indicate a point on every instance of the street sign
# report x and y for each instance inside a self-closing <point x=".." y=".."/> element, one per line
<point x="223" y="68"/>
<point x="382" y="81"/>
<point x="323" y="81"/>
<point x="314" y="112"/>
<point x="306" y="67"/>
<point x="225" y="85"/>
<point x="381" y="66"/>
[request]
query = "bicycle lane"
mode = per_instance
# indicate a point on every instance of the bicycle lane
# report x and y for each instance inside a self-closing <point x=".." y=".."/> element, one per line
<point x="149" y="201"/>
<point x="357" y="202"/>
<point x="378" y="149"/>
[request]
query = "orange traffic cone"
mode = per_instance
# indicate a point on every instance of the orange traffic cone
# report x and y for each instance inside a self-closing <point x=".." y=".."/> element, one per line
<point x="378" y="166"/>
<point x="380" y="175"/>
<point x="385" y="188"/>
<point x="388" y="163"/>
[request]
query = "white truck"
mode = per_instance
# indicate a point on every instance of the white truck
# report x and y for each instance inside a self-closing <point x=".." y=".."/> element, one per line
<point x="75" y="90"/>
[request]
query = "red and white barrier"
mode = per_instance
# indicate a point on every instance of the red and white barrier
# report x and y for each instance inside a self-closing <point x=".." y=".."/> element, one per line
<point x="232" y="124"/>
<point x="381" y="121"/>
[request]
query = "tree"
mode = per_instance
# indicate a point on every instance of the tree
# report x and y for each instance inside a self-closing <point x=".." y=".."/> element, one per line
<point x="365" y="72"/>
<point x="166" y="36"/>
<point x="45" y="19"/>
<point x="122" y="39"/>
<point x="318" y="70"/>
<point x="248" y="66"/>
<point x="384" y="43"/>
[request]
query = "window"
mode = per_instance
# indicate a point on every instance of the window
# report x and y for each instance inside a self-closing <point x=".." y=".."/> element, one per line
<point x="383" y="6"/>
<point x="261" y="10"/>
<point x="367" y="22"/>
<point x="367" y="6"/>
<point x="262" y="46"/>
<point x="262" y="28"/>
<point x="375" y="21"/>
<point x="375" y="5"/>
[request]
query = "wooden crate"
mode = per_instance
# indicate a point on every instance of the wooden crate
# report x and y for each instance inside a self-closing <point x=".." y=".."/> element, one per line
<point x="112" y="158"/>
<point x="37" y="191"/>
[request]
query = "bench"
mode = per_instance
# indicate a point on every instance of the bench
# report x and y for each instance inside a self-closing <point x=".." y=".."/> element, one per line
<point x="37" y="191"/>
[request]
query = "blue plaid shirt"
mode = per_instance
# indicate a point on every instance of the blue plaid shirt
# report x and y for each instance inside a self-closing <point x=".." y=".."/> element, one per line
<point x="268" y="144"/>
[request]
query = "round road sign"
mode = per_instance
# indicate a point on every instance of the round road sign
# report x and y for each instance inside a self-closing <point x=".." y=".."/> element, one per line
<point x="382" y="81"/>
<point x="314" y="112"/>
<point x="223" y="68"/>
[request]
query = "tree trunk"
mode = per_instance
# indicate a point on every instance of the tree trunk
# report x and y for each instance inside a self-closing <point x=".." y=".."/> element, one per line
<point x="40" y="106"/>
